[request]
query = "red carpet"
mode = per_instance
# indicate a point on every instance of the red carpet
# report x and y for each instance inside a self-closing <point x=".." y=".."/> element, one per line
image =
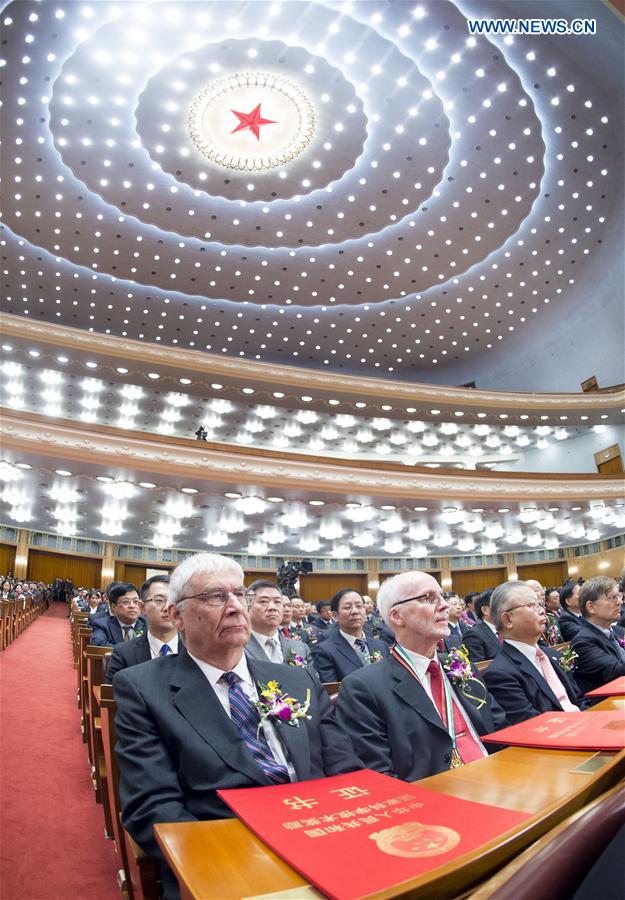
<point x="52" y="845"/>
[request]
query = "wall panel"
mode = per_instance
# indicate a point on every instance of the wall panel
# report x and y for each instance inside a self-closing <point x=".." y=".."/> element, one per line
<point x="44" y="566"/>
<point x="551" y="574"/>
<point x="477" y="580"/>
<point x="7" y="559"/>
<point x="318" y="586"/>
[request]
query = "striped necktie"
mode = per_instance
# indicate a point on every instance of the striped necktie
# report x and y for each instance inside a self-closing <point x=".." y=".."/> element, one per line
<point x="246" y="718"/>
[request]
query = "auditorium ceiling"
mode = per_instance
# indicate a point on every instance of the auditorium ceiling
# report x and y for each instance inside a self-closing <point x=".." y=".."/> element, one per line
<point x="298" y="191"/>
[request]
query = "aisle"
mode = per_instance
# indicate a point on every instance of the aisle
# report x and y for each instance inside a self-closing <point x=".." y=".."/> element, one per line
<point x="52" y="844"/>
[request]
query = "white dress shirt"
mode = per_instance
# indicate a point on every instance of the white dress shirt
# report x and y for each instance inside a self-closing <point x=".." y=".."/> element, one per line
<point x="529" y="651"/>
<point x="277" y="655"/>
<point x="248" y="687"/>
<point x="156" y="644"/>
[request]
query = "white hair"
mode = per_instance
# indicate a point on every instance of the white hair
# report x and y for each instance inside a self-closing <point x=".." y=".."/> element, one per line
<point x="503" y="597"/>
<point x="211" y="563"/>
<point x="388" y="594"/>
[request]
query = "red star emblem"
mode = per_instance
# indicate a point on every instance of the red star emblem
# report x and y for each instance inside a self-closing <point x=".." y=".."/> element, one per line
<point x="252" y="120"/>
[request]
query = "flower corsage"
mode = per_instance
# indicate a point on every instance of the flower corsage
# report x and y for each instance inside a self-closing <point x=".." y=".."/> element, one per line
<point x="376" y="656"/>
<point x="276" y="706"/>
<point x="621" y="642"/>
<point x="458" y="669"/>
<point x="137" y="632"/>
<point x="567" y="660"/>
<point x="294" y="659"/>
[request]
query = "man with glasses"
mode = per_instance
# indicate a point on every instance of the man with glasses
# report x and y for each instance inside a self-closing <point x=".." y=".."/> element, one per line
<point x="188" y="725"/>
<point x="411" y="716"/>
<point x="266" y="605"/>
<point x="125" y="622"/>
<point x="599" y="643"/>
<point x="348" y="647"/>
<point x="525" y="678"/>
<point x="160" y="638"/>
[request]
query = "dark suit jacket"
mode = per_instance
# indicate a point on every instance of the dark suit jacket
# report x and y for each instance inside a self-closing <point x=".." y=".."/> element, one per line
<point x="128" y="653"/>
<point x="107" y="631"/>
<point x="334" y="657"/>
<point x="456" y="635"/>
<point x="323" y="625"/>
<point x="481" y="642"/>
<point x="599" y="661"/>
<point x="521" y="690"/>
<point x="177" y="746"/>
<point x="569" y="624"/>
<point x="379" y="629"/>
<point x="308" y="634"/>
<point x="394" y="726"/>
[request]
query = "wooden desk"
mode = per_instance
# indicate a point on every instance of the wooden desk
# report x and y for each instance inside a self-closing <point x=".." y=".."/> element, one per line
<point x="223" y="859"/>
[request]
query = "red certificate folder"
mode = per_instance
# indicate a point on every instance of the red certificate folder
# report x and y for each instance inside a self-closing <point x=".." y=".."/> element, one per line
<point x="351" y="835"/>
<point x="566" y="731"/>
<point x="610" y="689"/>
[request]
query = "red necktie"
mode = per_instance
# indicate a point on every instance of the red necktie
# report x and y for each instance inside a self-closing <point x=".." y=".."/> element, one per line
<point x="466" y="744"/>
<point x="286" y="632"/>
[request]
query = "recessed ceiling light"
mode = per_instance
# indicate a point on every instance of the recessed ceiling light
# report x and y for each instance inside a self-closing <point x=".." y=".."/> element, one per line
<point x="278" y="395"/>
<point x="146" y="484"/>
<point x="184" y="380"/>
<point x="186" y="490"/>
<point x="22" y="466"/>
<point x="63" y="472"/>
<point x="317" y="502"/>
<point x="248" y="390"/>
<point x="387" y="506"/>
<point x="504" y="509"/>
<point x="7" y="348"/>
<point x="216" y="386"/>
<point x="232" y="495"/>
<point x="337" y="402"/>
<point x="306" y="399"/>
<point x="91" y="365"/>
<point x="62" y="359"/>
<point x="360" y="404"/>
<point x="121" y="370"/>
<point x="103" y="478"/>
<point x="275" y="499"/>
<point x="153" y="375"/>
<point x="386" y="407"/>
<point x="435" y="412"/>
<point x="420" y="509"/>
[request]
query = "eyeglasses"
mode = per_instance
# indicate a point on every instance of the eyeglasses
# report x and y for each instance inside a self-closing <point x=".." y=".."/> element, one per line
<point x="617" y="596"/>
<point x="218" y="597"/>
<point x="158" y="599"/>
<point x="125" y="603"/>
<point x="533" y="605"/>
<point x="431" y="598"/>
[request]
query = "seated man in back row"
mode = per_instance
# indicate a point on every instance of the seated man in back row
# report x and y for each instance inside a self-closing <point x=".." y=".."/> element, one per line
<point x="188" y="725"/>
<point x="351" y="645"/>
<point x="408" y="716"/>
<point x="159" y="638"/>
<point x="125" y="622"/>
<point x="265" y="605"/>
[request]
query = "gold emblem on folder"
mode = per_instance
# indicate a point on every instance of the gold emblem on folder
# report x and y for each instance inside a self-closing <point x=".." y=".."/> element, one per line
<point x="414" y="839"/>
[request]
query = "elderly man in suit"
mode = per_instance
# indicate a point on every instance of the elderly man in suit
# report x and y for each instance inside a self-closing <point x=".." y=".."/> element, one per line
<point x="481" y="641"/>
<point x="349" y="646"/>
<point x="599" y="643"/>
<point x="265" y="604"/>
<point x="188" y="724"/>
<point x="159" y="638"/>
<point x="125" y="621"/>
<point x="524" y="678"/>
<point x="409" y="716"/>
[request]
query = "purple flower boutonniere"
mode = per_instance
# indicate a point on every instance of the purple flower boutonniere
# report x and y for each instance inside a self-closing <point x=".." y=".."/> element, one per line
<point x="276" y="706"/>
<point x="458" y="669"/>
<point x="621" y="642"/>
<point x="294" y="659"/>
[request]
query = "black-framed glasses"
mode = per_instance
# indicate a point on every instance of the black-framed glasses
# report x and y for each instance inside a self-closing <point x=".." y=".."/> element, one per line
<point x="430" y="598"/>
<point x="158" y="599"/>
<point x="218" y="596"/>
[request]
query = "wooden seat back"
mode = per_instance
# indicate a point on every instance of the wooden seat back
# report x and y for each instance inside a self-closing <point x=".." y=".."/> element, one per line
<point x="562" y="856"/>
<point x="140" y="870"/>
<point x="95" y="659"/>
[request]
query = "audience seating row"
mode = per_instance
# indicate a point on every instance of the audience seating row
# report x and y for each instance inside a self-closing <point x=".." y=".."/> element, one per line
<point x="17" y="615"/>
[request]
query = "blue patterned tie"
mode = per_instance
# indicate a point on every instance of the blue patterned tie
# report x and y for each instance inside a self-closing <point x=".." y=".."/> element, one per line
<point x="165" y="649"/>
<point x="246" y="718"/>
